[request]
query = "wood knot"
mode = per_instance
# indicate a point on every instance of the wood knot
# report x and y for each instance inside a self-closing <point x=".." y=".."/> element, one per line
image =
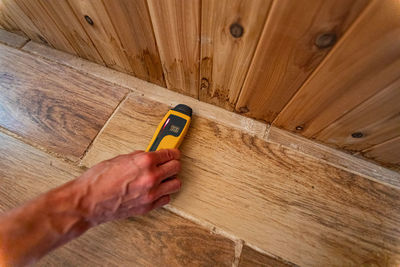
<point x="204" y="83"/>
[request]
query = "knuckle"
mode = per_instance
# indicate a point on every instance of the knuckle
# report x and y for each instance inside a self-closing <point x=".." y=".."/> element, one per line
<point x="151" y="179"/>
<point x="147" y="159"/>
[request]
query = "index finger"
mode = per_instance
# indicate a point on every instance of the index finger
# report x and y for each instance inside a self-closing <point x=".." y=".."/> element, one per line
<point x="165" y="155"/>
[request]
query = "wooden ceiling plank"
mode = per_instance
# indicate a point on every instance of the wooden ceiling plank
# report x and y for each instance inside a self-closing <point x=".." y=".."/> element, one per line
<point x="224" y="57"/>
<point x="22" y="20"/>
<point x="176" y="27"/>
<point x="364" y="62"/>
<point x="287" y="54"/>
<point x="377" y="119"/>
<point x="388" y="153"/>
<point x="102" y="33"/>
<point x="132" y="23"/>
<point x="64" y="18"/>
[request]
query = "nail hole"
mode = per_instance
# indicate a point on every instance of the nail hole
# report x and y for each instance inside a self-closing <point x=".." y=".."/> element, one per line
<point x="89" y="20"/>
<point x="236" y="30"/>
<point x="243" y="109"/>
<point x="42" y="39"/>
<point x="299" y="128"/>
<point x="325" y="40"/>
<point x="357" y="135"/>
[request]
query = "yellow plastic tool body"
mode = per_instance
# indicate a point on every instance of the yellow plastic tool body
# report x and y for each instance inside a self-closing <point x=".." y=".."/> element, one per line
<point x="175" y="127"/>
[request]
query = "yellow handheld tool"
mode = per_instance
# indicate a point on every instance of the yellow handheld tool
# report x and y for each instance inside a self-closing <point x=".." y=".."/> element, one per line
<point x="172" y="129"/>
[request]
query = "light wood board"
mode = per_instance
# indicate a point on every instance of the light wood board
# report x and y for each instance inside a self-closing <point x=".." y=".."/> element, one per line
<point x="286" y="54"/>
<point x="224" y="58"/>
<point x="12" y="39"/>
<point x="51" y="105"/>
<point x="279" y="200"/>
<point x="250" y="126"/>
<point x="159" y="238"/>
<point x="378" y="119"/>
<point x="364" y="62"/>
<point x="132" y="23"/>
<point x="176" y="27"/>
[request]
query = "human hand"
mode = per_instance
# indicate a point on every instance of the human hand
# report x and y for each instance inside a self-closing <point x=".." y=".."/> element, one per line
<point x="128" y="185"/>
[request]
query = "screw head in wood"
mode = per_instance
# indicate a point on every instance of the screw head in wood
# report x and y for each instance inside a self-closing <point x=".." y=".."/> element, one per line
<point x="236" y="30"/>
<point x="89" y="20"/>
<point x="357" y="135"/>
<point x="299" y="128"/>
<point x="325" y="40"/>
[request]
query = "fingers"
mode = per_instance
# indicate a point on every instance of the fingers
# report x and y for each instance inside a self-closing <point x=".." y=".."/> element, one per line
<point x="167" y="170"/>
<point x="164" y="200"/>
<point x="168" y="187"/>
<point x="165" y="155"/>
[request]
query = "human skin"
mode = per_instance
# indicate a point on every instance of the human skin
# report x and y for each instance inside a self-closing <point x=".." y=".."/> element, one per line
<point x="127" y="185"/>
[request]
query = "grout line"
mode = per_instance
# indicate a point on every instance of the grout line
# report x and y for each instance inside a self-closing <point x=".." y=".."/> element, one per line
<point x="238" y="253"/>
<point x="266" y="133"/>
<point x="117" y="108"/>
<point x="26" y="141"/>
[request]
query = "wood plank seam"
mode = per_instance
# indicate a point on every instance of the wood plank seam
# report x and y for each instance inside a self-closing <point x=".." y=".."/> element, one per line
<point x="12" y="39"/>
<point x="37" y="146"/>
<point x="248" y="125"/>
<point x="343" y="160"/>
<point x="327" y="57"/>
<point x="213" y="229"/>
<point x="351" y="110"/>
<point x="102" y="129"/>
<point x="206" y="110"/>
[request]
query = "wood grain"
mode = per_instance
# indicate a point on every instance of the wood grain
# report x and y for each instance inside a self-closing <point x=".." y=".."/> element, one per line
<point x="224" y="58"/>
<point x="386" y="153"/>
<point x="363" y="63"/>
<point x="277" y="199"/>
<point x="334" y="157"/>
<point x="233" y="120"/>
<point x="7" y="23"/>
<point x="65" y="20"/>
<point x="159" y="238"/>
<point x="102" y="33"/>
<point x="44" y="26"/>
<point x="251" y="258"/>
<point x="22" y="21"/>
<point x="51" y="105"/>
<point x="12" y="39"/>
<point x="378" y="119"/>
<point x="176" y="27"/>
<point x="132" y="23"/>
<point x="286" y="54"/>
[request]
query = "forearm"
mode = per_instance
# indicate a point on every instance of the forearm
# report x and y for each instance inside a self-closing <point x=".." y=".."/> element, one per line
<point x="28" y="232"/>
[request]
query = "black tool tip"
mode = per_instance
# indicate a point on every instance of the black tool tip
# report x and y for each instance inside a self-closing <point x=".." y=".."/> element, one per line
<point x="183" y="109"/>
